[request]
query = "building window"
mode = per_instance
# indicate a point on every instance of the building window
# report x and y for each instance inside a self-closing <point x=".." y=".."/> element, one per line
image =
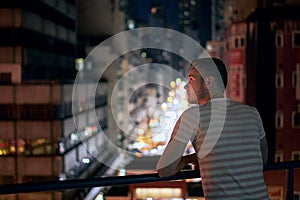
<point x="5" y="78"/>
<point x="236" y="42"/>
<point x="295" y="155"/>
<point x="7" y="112"/>
<point x="295" y="120"/>
<point x="27" y="179"/>
<point x="294" y="79"/>
<point x="239" y="42"/>
<point x="36" y="112"/>
<point x="279" y="79"/>
<point x="6" y="179"/>
<point x="279" y="119"/>
<point x="242" y="41"/>
<point x="279" y="156"/>
<point x="296" y="39"/>
<point x="297" y="81"/>
<point x="279" y="40"/>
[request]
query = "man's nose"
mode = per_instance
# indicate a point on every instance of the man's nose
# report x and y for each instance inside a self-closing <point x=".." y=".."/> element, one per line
<point x="185" y="87"/>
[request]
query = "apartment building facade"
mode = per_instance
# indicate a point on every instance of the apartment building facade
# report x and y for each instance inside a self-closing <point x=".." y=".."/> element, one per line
<point x="260" y="45"/>
<point x="39" y="140"/>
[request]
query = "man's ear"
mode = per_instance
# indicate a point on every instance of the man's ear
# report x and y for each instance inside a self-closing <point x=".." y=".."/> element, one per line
<point x="209" y="81"/>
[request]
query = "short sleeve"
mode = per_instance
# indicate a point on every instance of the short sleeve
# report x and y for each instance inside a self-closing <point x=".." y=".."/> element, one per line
<point x="261" y="130"/>
<point x="187" y="125"/>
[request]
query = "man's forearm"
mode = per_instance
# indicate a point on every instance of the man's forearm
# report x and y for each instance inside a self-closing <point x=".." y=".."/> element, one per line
<point x="175" y="167"/>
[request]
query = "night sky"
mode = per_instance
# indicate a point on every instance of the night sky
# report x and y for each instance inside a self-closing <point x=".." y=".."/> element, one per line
<point x="140" y="10"/>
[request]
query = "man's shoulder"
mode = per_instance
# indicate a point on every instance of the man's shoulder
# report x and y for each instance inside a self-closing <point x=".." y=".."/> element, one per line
<point x="243" y="108"/>
<point x="241" y="104"/>
<point x="225" y="103"/>
<point x="192" y="110"/>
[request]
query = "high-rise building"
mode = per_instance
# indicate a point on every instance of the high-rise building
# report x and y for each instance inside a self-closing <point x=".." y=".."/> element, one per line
<point x="46" y="31"/>
<point x="272" y="41"/>
<point x="217" y="20"/>
<point x="39" y="140"/>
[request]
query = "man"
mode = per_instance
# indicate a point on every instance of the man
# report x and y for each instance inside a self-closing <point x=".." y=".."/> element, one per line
<point x="228" y="138"/>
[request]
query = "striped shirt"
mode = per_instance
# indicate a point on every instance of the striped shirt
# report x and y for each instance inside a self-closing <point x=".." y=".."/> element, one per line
<point x="227" y="142"/>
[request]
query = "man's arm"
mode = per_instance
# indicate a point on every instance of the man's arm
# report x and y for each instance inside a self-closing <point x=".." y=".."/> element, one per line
<point x="263" y="141"/>
<point x="172" y="160"/>
<point x="264" y="150"/>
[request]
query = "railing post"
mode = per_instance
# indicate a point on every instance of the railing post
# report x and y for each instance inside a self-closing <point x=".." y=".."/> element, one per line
<point x="290" y="182"/>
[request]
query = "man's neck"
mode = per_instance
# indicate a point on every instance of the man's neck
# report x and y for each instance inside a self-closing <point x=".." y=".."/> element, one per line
<point x="204" y="100"/>
<point x="208" y="98"/>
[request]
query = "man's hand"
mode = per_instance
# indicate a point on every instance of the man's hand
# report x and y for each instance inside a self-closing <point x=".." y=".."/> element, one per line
<point x="176" y="166"/>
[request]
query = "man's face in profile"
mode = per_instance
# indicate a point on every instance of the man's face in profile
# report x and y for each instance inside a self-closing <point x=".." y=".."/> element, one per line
<point x="196" y="88"/>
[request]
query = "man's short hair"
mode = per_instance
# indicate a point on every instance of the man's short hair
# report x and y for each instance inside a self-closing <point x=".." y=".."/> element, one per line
<point x="212" y="67"/>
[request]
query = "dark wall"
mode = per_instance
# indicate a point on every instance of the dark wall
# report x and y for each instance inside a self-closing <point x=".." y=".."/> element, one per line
<point x="261" y="66"/>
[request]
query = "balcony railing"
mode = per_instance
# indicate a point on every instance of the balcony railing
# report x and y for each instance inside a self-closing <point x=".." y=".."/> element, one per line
<point x="133" y="179"/>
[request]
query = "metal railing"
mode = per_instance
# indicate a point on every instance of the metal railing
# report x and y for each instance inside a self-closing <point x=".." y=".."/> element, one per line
<point x="289" y="166"/>
<point x="133" y="179"/>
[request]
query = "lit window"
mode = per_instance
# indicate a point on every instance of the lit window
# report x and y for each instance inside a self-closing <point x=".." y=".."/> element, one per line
<point x="279" y="40"/>
<point x="278" y="156"/>
<point x="279" y="119"/>
<point x="296" y="155"/>
<point x="131" y="24"/>
<point x="186" y="22"/>
<point x="193" y="2"/>
<point x="279" y="79"/>
<point x="79" y="64"/>
<point x="296" y="39"/>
